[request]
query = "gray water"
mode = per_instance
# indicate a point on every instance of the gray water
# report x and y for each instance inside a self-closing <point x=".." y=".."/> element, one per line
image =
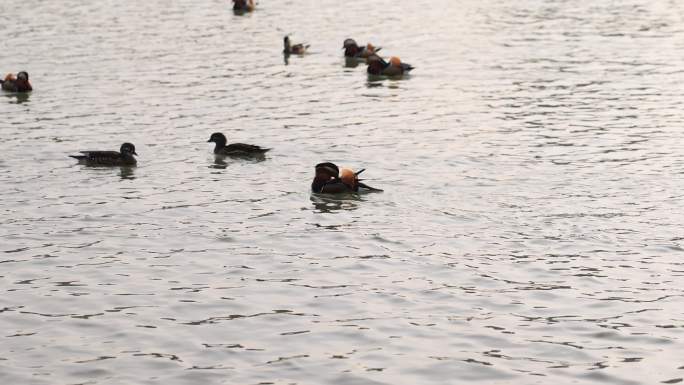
<point x="530" y="231"/>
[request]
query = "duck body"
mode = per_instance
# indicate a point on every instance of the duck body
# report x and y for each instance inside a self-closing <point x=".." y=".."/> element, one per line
<point x="378" y="66"/>
<point x="234" y="149"/>
<point x="243" y="5"/>
<point x="297" y="49"/>
<point x="330" y="179"/>
<point x="353" y="50"/>
<point x="124" y="157"/>
<point x="19" y="83"/>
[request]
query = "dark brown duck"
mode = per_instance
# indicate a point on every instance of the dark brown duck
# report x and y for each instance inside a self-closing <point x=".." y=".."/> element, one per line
<point x="378" y="66"/>
<point x="329" y="179"/>
<point x="352" y="50"/>
<point x="125" y="157"/>
<point x="297" y="49"/>
<point x="234" y="149"/>
<point x="19" y="83"/>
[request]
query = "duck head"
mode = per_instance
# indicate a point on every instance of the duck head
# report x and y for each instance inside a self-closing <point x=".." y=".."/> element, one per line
<point x="349" y="43"/>
<point x="327" y="171"/>
<point x="218" y="138"/>
<point x="128" y="149"/>
<point x="23" y="75"/>
<point x="350" y="47"/>
<point x="286" y="43"/>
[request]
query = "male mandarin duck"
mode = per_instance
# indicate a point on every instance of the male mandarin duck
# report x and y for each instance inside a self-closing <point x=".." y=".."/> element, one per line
<point x="234" y="149"/>
<point x="109" y="158"/>
<point x="297" y="49"/>
<point x="352" y="50"/>
<point x="243" y="5"/>
<point x="330" y="179"/>
<point x="19" y="83"/>
<point x="378" y="66"/>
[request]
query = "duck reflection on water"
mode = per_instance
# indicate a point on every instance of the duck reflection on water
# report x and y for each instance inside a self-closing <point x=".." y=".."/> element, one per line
<point x="324" y="203"/>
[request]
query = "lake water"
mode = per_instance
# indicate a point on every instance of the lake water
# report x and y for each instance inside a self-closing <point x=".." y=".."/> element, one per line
<point x="530" y="231"/>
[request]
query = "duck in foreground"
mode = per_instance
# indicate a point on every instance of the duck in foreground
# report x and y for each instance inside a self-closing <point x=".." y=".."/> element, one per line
<point x="297" y="49"/>
<point x="378" y="66"/>
<point x="234" y="149"/>
<point x="352" y="50"/>
<point x="125" y="157"/>
<point x="330" y="179"/>
<point x="19" y="83"/>
<point x="243" y="5"/>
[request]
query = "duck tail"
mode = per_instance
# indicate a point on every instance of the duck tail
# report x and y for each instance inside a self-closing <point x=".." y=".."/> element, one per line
<point x="360" y="171"/>
<point x="361" y="184"/>
<point x="78" y="157"/>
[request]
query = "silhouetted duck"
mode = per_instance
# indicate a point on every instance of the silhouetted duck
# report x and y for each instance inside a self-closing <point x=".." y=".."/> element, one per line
<point x="297" y="49"/>
<point x="234" y="149"/>
<point x="351" y="49"/>
<point x="243" y="5"/>
<point x="330" y="179"/>
<point x="378" y="66"/>
<point x="109" y="158"/>
<point x="19" y="83"/>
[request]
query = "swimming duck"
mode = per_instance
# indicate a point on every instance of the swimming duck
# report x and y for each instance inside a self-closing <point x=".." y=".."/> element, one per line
<point x="378" y="66"/>
<point x="20" y="83"/>
<point x="234" y="149"/>
<point x="351" y="49"/>
<point x="330" y="179"/>
<point x="297" y="49"/>
<point x="109" y="158"/>
<point x="243" y="5"/>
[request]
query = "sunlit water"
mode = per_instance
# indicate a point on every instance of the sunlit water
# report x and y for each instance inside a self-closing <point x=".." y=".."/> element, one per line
<point x="530" y="231"/>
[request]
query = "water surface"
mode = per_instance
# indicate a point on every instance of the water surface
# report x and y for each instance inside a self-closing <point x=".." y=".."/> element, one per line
<point x="529" y="232"/>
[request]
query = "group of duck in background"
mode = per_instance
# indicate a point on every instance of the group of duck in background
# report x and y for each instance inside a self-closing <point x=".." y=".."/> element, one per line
<point x="352" y="51"/>
<point x="329" y="178"/>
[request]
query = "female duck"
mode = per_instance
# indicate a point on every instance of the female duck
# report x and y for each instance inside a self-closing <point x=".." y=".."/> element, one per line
<point x="378" y="66"/>
<point x="297" y="49"/>
<point x="352" y="50"/>
<point x="19" y="83"/>
<point x="234" y="149"/>
<point x="109" y="158"/>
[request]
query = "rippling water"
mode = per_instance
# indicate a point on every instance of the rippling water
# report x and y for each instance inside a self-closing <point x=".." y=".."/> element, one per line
<point x="530" y="231"/>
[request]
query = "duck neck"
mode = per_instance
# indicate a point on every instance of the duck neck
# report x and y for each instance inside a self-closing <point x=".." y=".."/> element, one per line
<point x="220" y="144"/>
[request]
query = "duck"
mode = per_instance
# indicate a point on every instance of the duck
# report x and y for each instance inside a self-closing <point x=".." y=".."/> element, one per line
<point x="395" y="67"/>
<point x="353" y="50"/>
<point x="297" y="49"/>
<point x="243" y="5"/>
<point x="125" y="157"/>
<point x="19" y="83"/>
<point x="330" y="179"/>
<point x="234" y="149"/>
